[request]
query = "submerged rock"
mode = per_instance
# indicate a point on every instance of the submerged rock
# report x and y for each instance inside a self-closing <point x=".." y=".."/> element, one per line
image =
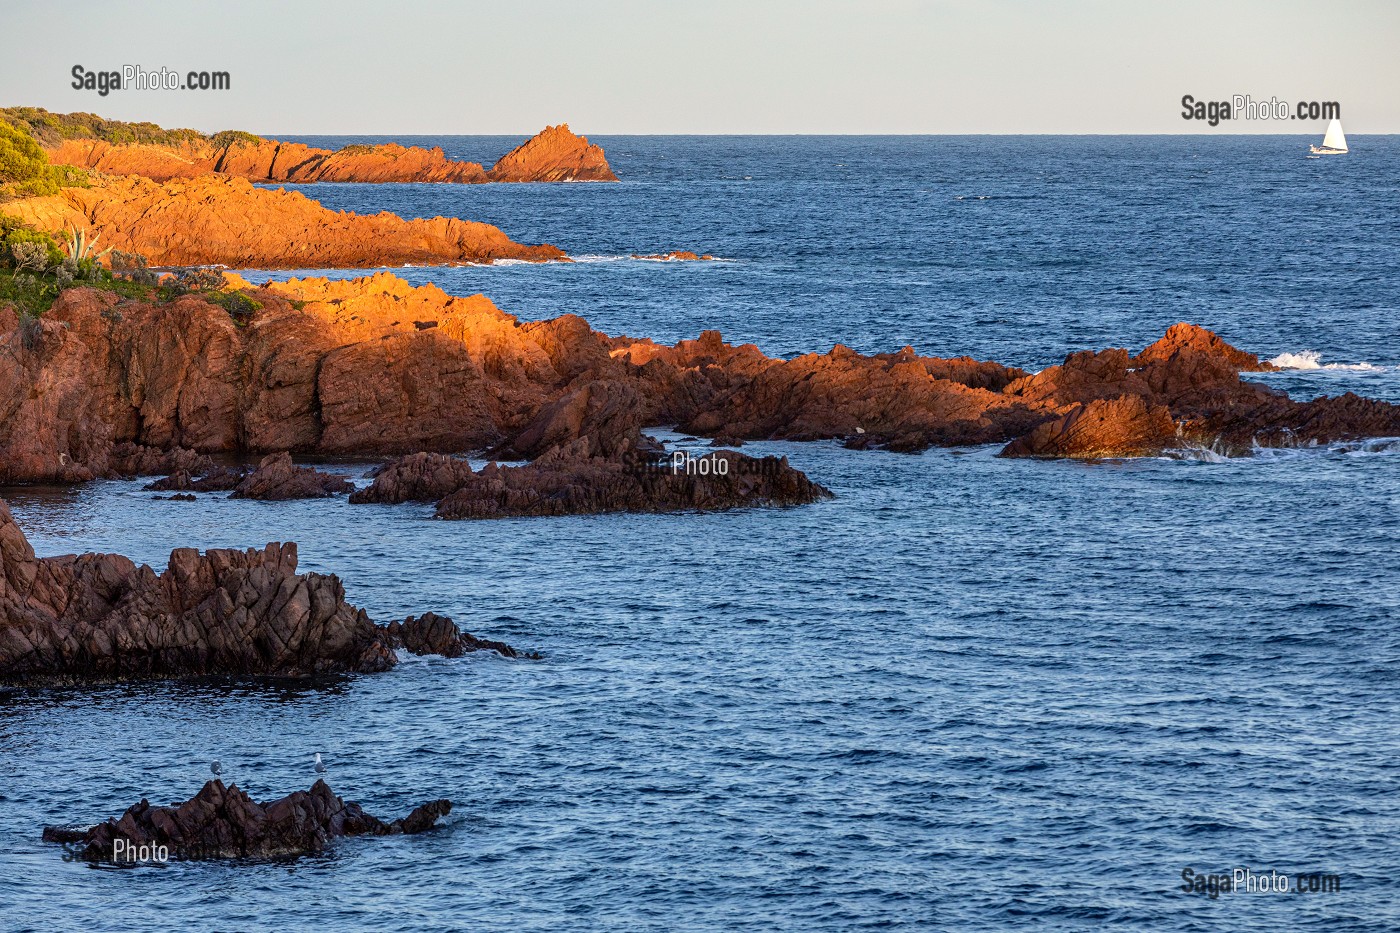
<point x="675" y="255"/>
<point x="217" y="479"/>
<point x="225" y="823"/>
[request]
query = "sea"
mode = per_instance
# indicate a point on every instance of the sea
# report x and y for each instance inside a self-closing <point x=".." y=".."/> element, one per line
<point x="965" y="694"/>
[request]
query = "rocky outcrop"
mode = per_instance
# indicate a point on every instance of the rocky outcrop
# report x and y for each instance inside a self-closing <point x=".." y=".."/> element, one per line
<point x="568" y="482"/>
<point x="1185" y="336"/>
<point x="278" y="479"/>
<point x="420" y="477"/>
<point x="374" y="366"/>
<point x="225" y="823"/>
<point x="554" y="154"/>
<point x="214" y="219"/>
<point x="676" y="255"/>
<point x="434" y="634"/>
<point x="604" y="417"/>
<point x="1192" y="378"/>
<point x="217" y="479"/>
<point x="1121" y="427"/>
<point x="100" y="617"/>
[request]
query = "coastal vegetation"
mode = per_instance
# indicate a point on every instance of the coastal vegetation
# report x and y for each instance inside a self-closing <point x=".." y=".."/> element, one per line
<point x="25" y="170"/>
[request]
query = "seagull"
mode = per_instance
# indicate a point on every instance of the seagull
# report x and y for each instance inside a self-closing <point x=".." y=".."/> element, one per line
<point x="217" y="767"/>
<point x="320" y="765"/>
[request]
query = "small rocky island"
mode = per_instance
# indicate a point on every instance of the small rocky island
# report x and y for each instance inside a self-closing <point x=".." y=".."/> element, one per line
<point x="225" y="823"/>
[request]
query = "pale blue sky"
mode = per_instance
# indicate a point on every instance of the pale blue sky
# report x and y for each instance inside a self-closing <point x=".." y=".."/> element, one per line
<point x="606" y="66"/>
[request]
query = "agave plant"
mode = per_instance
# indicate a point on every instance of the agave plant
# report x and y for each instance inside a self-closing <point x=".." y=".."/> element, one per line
<point x="80" y="247"/>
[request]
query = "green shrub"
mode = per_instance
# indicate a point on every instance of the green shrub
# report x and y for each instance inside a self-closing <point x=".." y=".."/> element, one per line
<point x="69" y="176"/>
<point x="50" y="129"/>
<point x="238" y="305"/>
<point x="14" y="233"/>
<point x="227" y="138"/>
<point x="24" y="169"/>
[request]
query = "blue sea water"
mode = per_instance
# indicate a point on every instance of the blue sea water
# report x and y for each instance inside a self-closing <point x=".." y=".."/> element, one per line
<point x="966" y="694"/>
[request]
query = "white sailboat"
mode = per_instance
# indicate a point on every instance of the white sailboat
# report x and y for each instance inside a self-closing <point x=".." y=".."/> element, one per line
<point x="1334" y="143"/>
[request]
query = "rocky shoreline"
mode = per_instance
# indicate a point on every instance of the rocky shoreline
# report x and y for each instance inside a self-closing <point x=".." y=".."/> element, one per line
<point x="216" y="219"/>
<point x="376" y="367"/>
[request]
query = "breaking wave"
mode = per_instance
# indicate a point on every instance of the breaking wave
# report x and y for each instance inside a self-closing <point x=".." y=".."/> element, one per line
<point x="1311" y="359"/>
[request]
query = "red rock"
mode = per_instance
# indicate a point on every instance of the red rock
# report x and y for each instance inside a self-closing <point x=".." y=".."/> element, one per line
<point x="1189" y="336"/>
<point x="554" y="154"/>
<point x="1121" y="427"/>
<point x="278" y="479"/>
<point x="567" y="482"/>
<point x="374" y="366"/>
<point x="676" y="255"/>
<point x="420" y="477"/>
<point x="213" y="219"/>
<point x="605" y="416"/>
<point x="224" y="823"/>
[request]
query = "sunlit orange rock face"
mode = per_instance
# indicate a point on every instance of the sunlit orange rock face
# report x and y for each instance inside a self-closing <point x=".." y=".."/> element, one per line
<point x="100" y="385"/>
<point x="553" y="155"/>
<point x="269" y="161"/>
<point x="217" y="219"/>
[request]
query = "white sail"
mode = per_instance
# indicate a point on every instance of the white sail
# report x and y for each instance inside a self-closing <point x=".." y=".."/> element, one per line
<point x="1335" y="138"/>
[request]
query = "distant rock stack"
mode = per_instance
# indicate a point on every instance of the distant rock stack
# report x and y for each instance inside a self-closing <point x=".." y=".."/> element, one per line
<point x="554" y="154"/>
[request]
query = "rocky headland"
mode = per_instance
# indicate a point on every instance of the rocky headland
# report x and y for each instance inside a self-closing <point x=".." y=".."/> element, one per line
<point x="223" y="822"/>
<point x="101" y="617"/>
<point x="216" y="219"/>
<point x="117" y="148"/>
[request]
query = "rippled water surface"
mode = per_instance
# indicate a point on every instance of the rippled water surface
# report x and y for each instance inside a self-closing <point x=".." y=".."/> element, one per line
<point x="968" y="693"/>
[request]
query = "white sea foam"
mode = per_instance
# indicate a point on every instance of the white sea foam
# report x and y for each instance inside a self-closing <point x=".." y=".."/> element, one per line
<point x="1311" y="359"/>
<point x="628" y="257"/>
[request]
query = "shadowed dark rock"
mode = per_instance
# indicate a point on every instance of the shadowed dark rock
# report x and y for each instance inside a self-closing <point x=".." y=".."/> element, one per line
<point x="225" y="823"/>
<point x="605" y="416"/>
<point x="435" y="634"/>
<point x="421" y="477"/>
<point x="128" y="459"/>
<point x="278" y="479"/>
<point x="566" y="483"/>
<point x="100" y="617"/>
<point x="215" y="479"/>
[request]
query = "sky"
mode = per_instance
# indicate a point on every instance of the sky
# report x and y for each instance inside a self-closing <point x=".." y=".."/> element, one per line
<point x="618" y="67"/>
